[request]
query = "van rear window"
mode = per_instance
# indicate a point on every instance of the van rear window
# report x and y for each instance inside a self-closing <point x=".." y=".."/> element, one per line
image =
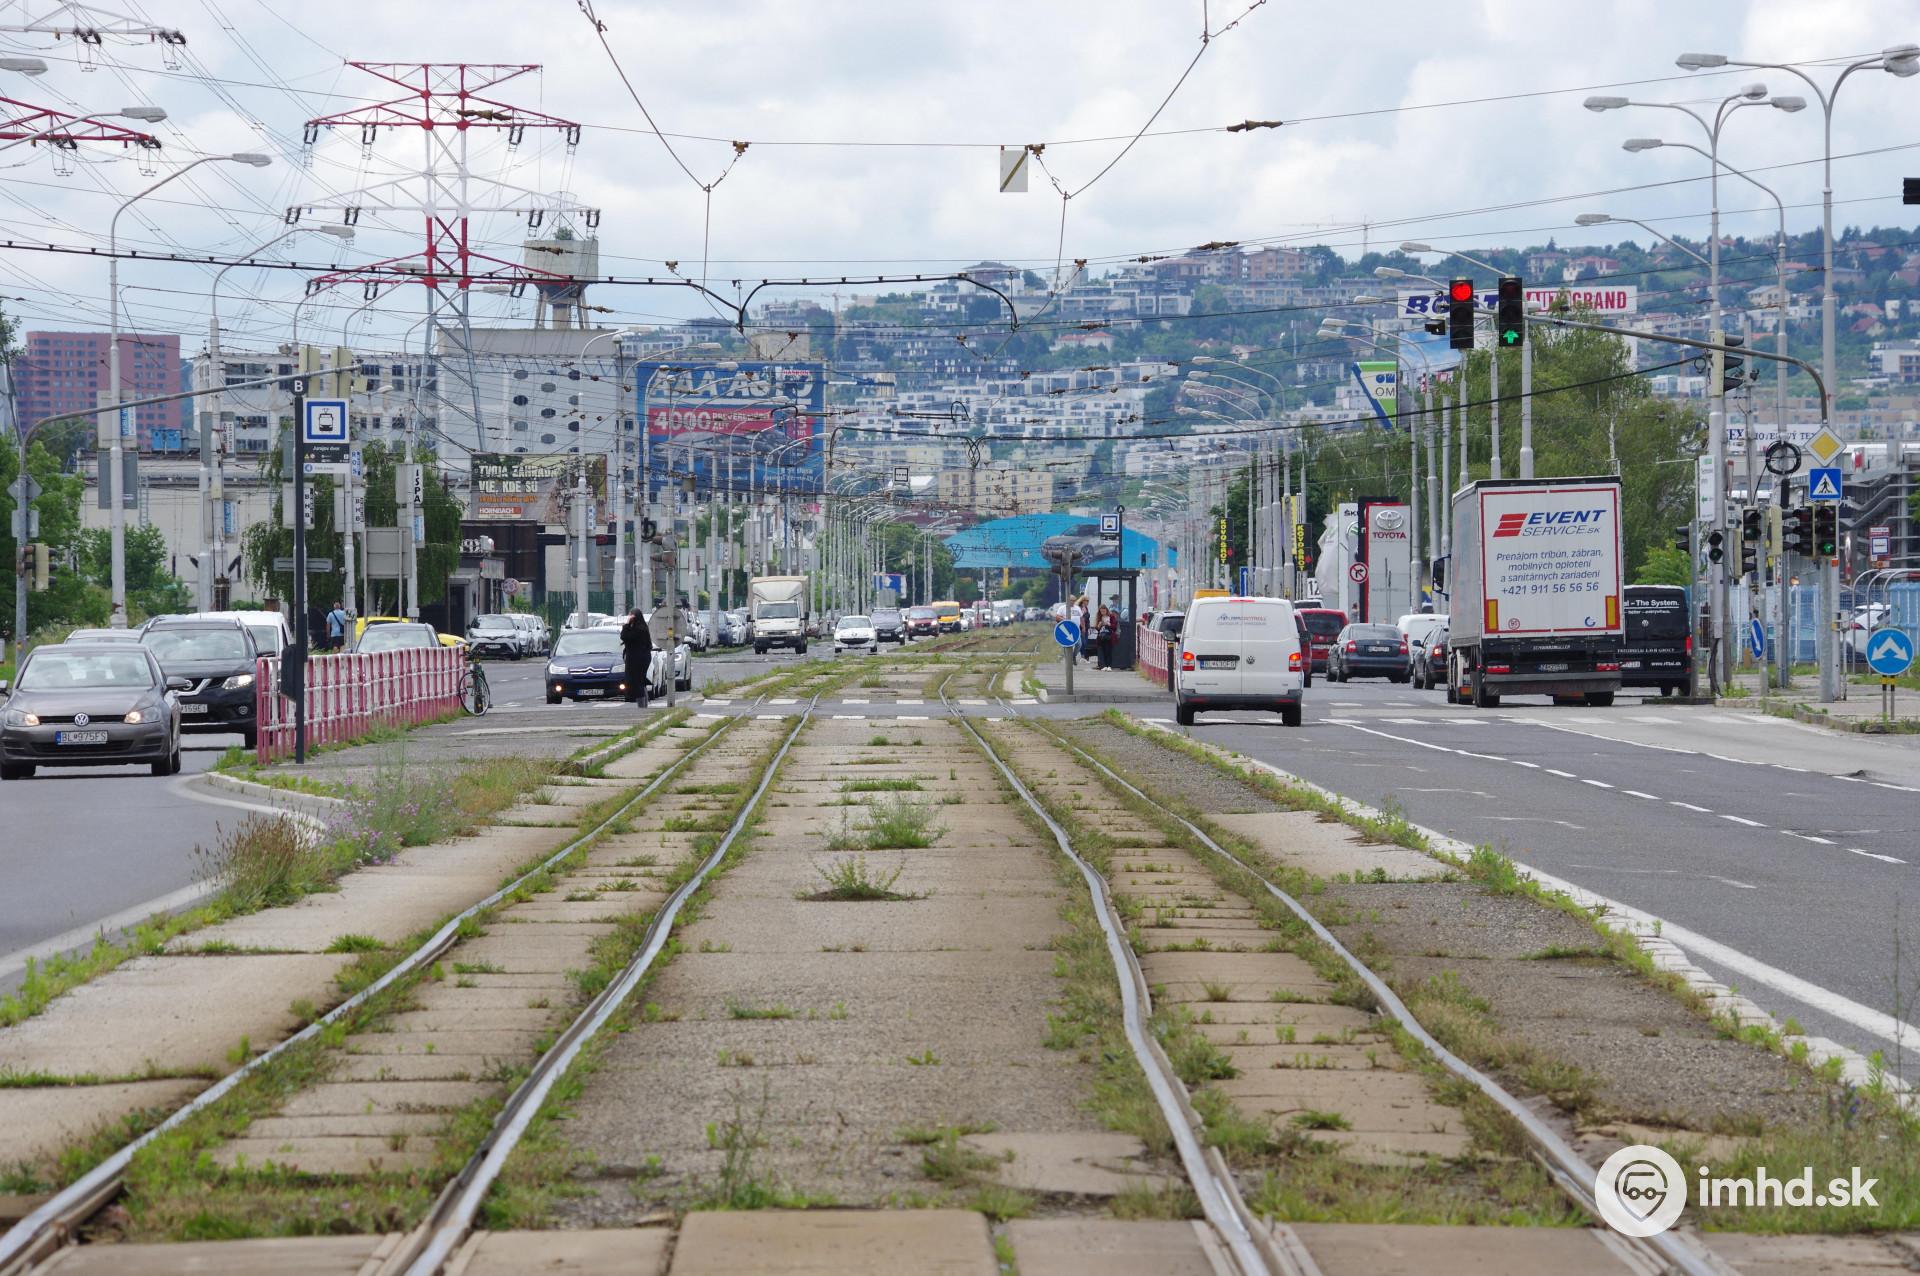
<point x="1323" y="624"/>
<point x="1656" y="616"/>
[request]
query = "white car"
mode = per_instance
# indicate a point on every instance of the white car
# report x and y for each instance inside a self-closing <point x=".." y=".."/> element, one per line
<point x="1240" y="653"/>
<point x="853" y="633"/>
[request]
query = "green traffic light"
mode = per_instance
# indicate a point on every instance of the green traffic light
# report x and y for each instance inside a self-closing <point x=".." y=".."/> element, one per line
<point x="1511" y="336"/>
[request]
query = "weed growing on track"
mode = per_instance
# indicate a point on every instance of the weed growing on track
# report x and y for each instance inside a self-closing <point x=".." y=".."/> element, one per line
<point x="849" y="879"/>
<point x="902" y="785"/>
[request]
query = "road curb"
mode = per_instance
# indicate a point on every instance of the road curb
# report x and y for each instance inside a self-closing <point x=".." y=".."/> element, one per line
<point x="1801" y="713"/>
<point x="312" y="805"/>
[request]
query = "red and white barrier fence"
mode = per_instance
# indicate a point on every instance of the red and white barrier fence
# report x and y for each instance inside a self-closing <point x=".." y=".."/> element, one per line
<point x="1153" y="652"/>
<point x="349" y="694"/>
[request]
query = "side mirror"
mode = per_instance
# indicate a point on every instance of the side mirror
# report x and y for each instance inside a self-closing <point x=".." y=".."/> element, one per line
<point x="179" y="684"/>
<point x="5" y="689"/>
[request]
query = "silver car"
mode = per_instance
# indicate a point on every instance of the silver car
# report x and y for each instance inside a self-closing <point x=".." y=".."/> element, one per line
<point x="90" y="704"/>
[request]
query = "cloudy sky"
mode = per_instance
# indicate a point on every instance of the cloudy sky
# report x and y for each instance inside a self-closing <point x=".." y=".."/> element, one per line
<point x="873" y="129"/>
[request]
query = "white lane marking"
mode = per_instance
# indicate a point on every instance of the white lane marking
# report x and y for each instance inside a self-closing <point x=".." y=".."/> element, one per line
<point x="911" y="717"/>
<point x="1728" y="881"/>
<point x="1598" y="784"/>
<point x="1651" y="719"/>
<point x="1808" y="837"/>
<point x="708" y="717"/>
<point x="1637" y="793"/>
<point x="856" y="702"/>
<point x="970" y="702"/>
<point x="1565" y="775"/>
<point x="766" y="717"/>
<point x="1853" y="779"/>
<point x="849" y="717"/>
<point x="910" y="702"/>
<point x="1536" y="819"/>
<point x="1741" y="819"/>
<point x="1025" y="700"/>
<point x="1884" y="859"/>
<point x="783" y="700"/>
<point x="1164" y="722"/>
<point x="1688" y="806"/>
<point x="1531" y="766"/>
<point x="1865" y="1018"/>
<point x="1897" y="788"/>
<point x="710" y="700"/>
<point x="1348" y="704"/>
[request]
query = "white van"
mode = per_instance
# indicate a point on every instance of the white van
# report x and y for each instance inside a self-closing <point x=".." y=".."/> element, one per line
<point x="1240" y="653"/>
<point x="271" y="633"/>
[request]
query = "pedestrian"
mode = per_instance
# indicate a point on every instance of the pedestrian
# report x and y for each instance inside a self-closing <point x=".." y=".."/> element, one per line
<point x="636" y="646"/>
<point x="1109" y="635"/>
<point x="336" y="627"/>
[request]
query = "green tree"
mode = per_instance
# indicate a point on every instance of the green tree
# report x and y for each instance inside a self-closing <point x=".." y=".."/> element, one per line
<point x="1664" y="565"/>
<point x="152" y="590"/>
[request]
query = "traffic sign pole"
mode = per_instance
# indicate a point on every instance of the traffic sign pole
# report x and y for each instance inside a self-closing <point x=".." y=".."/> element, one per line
<point x="301" y="638"/>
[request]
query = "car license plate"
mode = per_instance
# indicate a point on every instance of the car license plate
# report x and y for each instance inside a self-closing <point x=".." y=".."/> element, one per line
<point x="1220" y="662"/>
<point x="591" y="691"/>
<point x="79" y="737"/>
<point x="189" y="706"/>
<point x="1629" y="664"/>
<point x="1556" y="668"/>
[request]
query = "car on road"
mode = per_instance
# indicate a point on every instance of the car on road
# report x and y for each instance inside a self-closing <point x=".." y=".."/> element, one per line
<point x="103" y="635"/>
<point x="90" y="704"/>
<point x="1240" y="653"/>
<point x="1323" y="626"/>
<point x="853" y="633"/>
<point x="401" y="635"/>
<point x="496" y="634"/>
<point x="586" y="663"/>
<point x="736" y="626"/>
<point x="1657" y="647"/>
<point x="1430" y="659"/>
<point x="362" y="624"/>
<point x="922" y="622"/>
<point x="1170" y="623"/>
<point x="539" y="640"/>
<point x="1370" y="651"/>
<point x="217" y="658"/>
<point x="889" y="625"/>
<point x="1419" y="627"/>
<point x="948" y="612"/>
<point x="271" y="632"/>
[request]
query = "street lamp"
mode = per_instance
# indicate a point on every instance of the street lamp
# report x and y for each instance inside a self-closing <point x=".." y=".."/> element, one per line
<point x="1902" y="60"/>
<point x="213" y="533"/>
<point x="112" y="479"/>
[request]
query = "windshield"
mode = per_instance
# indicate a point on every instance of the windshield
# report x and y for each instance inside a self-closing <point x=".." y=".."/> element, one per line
<point x="886" y="615"/>
<point x="266" y="638"/>
<point x="1374" y="632"/>
<point x="51" y="669"/>
<point x="1662" y="615"/>
<point x="1173" y="623"/>
<point x="586" y="641"/>
<point x="854" y="622"/>
<point x="493" y="622"/>
<point x="921" y="613"/>
<point x="182" y="645"/>
<point x="779" y="611"/>
<point x="1323" y="624"/>
<point x="396" y="638"/>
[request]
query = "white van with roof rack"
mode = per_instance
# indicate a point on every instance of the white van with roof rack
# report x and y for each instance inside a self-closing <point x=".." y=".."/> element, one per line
<point x="1240" y="653"/>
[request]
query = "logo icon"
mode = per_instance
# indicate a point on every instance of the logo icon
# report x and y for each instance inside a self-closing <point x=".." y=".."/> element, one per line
<point x="1510" y="524"/>
<point x="1390" y="519"/>
<point x="1640" y="1191"/>
<point x="81" y="719"/>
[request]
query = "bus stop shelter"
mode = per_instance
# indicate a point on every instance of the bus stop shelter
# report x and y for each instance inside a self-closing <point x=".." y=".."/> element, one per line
<point x="1117" y="587"/>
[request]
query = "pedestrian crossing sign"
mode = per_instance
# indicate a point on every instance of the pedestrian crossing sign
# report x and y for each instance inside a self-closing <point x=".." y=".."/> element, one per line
<point x="1824" y="484"/>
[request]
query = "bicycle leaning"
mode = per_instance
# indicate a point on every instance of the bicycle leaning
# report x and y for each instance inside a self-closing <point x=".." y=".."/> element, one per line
<point x="475" y="696"/>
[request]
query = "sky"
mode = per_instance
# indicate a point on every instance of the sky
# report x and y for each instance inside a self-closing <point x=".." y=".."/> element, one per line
<point x="873" y="130"/>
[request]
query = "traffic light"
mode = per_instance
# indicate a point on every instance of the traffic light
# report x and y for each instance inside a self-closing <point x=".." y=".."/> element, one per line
<point x="42" y="568"/>
<point x="1826" y="530"/>
<point x="1796" y="530"/>
<point x="1683" y="538"/>
<point x="1460" y="308"/>
<point x="1910" y="191"/>
<point x="1733" y="368"/>
<point x="1510" y="316"/>
<point x="1716" y="546"/>
<point x="1752" y="527"/>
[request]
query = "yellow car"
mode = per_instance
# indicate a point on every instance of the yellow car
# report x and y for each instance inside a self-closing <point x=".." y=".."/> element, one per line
<point x="360" y="624"/>
<point x="948" y="614"/>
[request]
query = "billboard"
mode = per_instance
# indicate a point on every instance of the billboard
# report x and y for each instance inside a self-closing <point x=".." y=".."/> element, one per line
<point x="1380" y="381"/>
<point x="1600" y="299"/>
<point x="744" y="410"/>
<point x="521" y="485"/>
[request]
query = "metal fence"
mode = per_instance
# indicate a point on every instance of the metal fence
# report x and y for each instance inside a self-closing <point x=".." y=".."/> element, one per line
<point x="1155" y="652"/>
<point x="348" y="695"/>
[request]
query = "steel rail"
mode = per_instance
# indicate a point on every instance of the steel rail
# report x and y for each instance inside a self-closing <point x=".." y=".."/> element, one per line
<point x="52" y="1225"/>
<point x="1667" y="1251"/>
<point x="429" y="1247"/>
<point x="1254" y="1251"/>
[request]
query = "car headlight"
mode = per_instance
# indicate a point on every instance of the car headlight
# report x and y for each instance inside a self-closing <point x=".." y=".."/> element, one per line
<point x="237" y="682"/>
<point x="134" y="716"/>
<point x="21" y="718"/>
<point x="556" y="671"/>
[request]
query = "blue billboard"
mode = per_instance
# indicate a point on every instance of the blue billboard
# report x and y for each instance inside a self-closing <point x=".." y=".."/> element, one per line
<point x="761" y="418"/>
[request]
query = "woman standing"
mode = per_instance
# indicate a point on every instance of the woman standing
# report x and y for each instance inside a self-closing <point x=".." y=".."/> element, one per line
<point x="636" y="646"/>
<point x="1109" y="634"/>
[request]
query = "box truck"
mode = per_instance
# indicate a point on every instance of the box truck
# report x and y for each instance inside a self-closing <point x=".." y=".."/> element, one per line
<point x="777" y="607"/>
<point x="1536" y="591"/>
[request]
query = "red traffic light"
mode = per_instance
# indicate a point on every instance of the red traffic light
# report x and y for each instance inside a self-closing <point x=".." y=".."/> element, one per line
<point x="1460" y="290"/>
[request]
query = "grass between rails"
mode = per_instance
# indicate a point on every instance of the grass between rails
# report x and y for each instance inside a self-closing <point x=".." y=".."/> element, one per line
<point x="1285" y="1170"/>
<point x="1863" y="1125"/>
<point x="178" y="1192"/>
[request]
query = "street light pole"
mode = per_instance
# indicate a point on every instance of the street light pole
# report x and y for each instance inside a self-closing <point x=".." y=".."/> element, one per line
<point x="117" y="513"/>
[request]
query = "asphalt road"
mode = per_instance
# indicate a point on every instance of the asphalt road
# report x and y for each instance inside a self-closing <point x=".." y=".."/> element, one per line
<point x="1789" y="845"/>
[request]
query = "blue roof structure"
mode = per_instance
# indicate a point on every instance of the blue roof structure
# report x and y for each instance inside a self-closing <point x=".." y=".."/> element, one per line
<point x="1016" y="543"/>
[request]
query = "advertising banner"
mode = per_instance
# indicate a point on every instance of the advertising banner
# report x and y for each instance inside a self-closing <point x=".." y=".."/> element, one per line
<point x="532" y="485"/>
<point x="1596" y="298"/>
<point x="687" y="402"/>
<point x="1380" y="381"/>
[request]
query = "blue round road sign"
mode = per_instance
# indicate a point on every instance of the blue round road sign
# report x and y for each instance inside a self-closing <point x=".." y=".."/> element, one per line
<point x="1889" y="652"/>
<point x="1756" y="639"/>
<point x="1067" y="634"/>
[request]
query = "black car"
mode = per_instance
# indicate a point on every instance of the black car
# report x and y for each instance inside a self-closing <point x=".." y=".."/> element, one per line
<point x="1369" y="651"/>
<point x="89" y="704"/>
<point x="889" y="625"/>
<point x="217" y="657"/>
<point x="586" y="662"/>
<point x="1657" y="650"/>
